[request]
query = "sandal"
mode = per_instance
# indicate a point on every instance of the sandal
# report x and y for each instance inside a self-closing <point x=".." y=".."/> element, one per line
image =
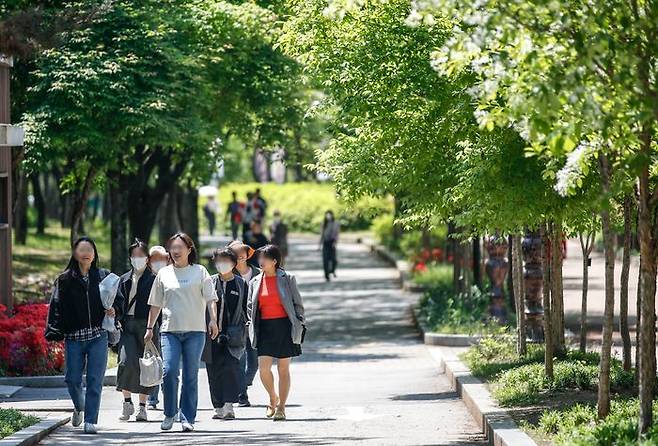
<point x="279" y="415"/>
<point x="269" y="412"/>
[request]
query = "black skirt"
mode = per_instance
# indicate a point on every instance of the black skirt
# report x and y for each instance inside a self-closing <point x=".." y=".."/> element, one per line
<point x="274" y="339"/>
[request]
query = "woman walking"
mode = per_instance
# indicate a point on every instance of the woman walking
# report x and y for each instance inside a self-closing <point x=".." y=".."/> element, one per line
<point x="249" y="361"/>
<point x="76" y="315"/>
<point x="184" y="292"/>
<point x="276" y="312"/>
<point x="328" y="240"/>
<point x="222" y="357"/>
<point x="135" y="287"/>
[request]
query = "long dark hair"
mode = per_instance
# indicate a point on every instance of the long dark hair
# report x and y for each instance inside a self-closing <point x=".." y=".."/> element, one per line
<point x="138" y="243"/>
<point x="192" y="258"/>
<point x="272" y="252"/>
<point x="325" y="221"/>
<point x="73" y="265"/>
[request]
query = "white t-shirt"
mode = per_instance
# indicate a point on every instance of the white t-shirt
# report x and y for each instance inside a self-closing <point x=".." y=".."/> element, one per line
<point x="183" y="294"/>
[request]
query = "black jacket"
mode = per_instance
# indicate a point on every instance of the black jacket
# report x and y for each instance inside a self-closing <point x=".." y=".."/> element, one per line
<point x="75" y="305"/>
<point x="144" y="286"/>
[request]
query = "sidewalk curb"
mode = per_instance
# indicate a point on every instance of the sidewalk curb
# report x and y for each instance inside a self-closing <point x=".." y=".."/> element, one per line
<point x="495" y="422"/>
<point x="34" y="434"/>
<point x="52" y="381"/>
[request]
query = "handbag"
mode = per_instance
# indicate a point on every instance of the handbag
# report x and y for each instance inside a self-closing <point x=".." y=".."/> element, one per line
<point x="151" y="367"/>
<point x="235" y="332"/>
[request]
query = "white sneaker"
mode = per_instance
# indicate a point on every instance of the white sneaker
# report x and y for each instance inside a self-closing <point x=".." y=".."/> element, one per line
<point x="167" y="423"/>
<point x="76" y="418"/>
<point x="219" y="414"/>
<point x="90" y="428"/>
<point x="188" y="427"/>
<point x="128" y="410"/>
<point x="229" y="414"/>
<point x="141" y="415"/>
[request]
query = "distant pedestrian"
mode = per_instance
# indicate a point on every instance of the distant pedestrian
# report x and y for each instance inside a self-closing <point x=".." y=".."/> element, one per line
<point x="256" y="239"/>
<point x="276" y="312"/>
<point x="76" y="316"/>
<point x="234" y="215"/>
<point x="210" y="211"/>
<point x="222" y="356"/>
<point x="262" y="204"/>
<point x="251" y="212"/>
<point x="279" y="235"/>
<point x="328" y="240"/>
<point x="135" y="287"/>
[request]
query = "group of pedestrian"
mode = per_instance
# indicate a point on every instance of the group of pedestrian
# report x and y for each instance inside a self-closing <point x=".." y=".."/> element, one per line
<point x="237" y="321"/>
<point x="244" y="214"/>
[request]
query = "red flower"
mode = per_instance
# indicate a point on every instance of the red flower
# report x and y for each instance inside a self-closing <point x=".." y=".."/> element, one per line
<point x="23" y="347"/>
<point x="437" y="254"/>
<point x="420" y="267"/>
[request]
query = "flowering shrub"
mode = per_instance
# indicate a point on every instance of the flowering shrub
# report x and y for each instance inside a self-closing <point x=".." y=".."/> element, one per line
<point x="24" y="350"/>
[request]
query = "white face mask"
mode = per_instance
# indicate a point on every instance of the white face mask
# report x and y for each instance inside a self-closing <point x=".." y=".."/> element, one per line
<point x="138" y="263"/>
<point x="329" y="217"/>
<point x="277" y="220"/>
<point x="224" y="267"/>
<point x="157" y="266"/>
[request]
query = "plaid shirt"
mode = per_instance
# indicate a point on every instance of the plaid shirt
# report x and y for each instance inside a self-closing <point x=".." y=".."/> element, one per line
<point x="85" y="334"/>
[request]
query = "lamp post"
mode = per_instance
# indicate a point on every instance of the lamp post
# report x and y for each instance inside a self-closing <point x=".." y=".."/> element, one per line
<point x="10" y="136"/>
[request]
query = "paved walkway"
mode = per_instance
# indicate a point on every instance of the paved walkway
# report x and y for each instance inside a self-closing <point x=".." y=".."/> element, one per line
<point x="364" y="377"/>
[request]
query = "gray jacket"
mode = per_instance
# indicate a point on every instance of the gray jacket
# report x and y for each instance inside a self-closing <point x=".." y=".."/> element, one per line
<point x="290" y="299"/>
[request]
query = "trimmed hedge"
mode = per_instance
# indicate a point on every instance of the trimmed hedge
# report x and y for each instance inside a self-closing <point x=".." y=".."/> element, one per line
<point x="303" y="204"/>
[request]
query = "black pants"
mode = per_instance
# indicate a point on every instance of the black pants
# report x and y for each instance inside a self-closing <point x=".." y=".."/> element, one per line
<point x="223" y="376"/>
<point x="329" y="257"/>
<point x="211" y="221"/>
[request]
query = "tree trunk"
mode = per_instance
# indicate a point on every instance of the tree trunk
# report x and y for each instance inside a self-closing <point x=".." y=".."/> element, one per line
<point x="51" y="196"/>
<point x="188" y="213"/>
<point x="20" y="208"/>
<point x="145" y="197"/>
<point x="603" y="401"/>
<point x="79" y="204"/>
<point x="168" y="218"/>
<point x="638" y="318"/>
<point x="557" y="295"/>
<point x="623" y="296"/>
<point x="118" y="227"/>
<point x="477" y="263"/>
<point x="586" y="248"/>
<point x="546" y="293"/>
<point x="39" y="203"/>
<point x="517" y="281"/>
<point x="648" y="270"/>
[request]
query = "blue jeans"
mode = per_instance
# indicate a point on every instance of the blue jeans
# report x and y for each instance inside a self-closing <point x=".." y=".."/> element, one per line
<point x="248" y="368"/>
<point x="188" y="346"/>
<point x="153" y="396"/>
<point x="93" y="354"/>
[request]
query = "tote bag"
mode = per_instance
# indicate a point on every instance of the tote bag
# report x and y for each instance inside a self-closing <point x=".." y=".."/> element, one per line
<point x="151" y="368"/>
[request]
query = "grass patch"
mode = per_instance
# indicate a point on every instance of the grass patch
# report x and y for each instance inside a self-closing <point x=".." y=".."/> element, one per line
<point x="579" y="426"/>
<point x="12" y="421"/>
<point x="37" y="263"/>
<point x="521" y="380"/>
<point x="444" y="311"/>
<point x="435" y="274"/>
